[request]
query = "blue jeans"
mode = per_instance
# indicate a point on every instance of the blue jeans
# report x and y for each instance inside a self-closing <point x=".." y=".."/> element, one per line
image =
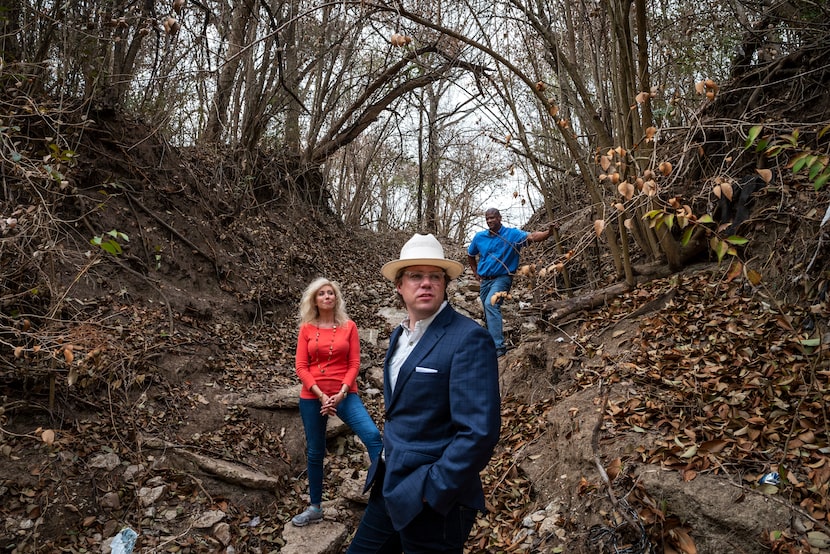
<point x="428" y="533"/>
<point x="492" y="312"/>
<point x="353" y="413"/>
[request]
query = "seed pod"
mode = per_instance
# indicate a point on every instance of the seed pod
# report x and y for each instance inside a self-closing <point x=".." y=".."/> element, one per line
<point x="171" y="26"/>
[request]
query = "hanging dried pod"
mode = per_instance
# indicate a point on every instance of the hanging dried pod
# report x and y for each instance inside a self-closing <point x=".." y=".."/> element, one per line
<point x="171" y="26"/>
<point x="398" y="39"/>
<point x="626" y="190"/>
<point x="605" y="162"/>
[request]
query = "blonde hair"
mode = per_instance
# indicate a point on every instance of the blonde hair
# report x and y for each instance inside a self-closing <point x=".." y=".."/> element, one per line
<point x="308" y="304"/>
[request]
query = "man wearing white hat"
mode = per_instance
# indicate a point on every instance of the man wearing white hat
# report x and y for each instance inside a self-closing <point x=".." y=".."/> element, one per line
<point x="442" y="420"/>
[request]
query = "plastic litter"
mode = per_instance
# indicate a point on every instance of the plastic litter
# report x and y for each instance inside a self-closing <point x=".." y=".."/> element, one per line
<point x="124" y="541"/>
<point x="771" y="478"/>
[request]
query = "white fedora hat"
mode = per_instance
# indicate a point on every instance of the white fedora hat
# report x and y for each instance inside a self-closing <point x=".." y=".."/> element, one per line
<point x="422" y="250"/>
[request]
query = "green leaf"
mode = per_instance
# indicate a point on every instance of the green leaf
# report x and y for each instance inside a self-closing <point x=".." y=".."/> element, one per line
<point x="762" y="145"/>
<point x="687" y="236"/>
<point x="736" y="240"/>
<point x="719" y="247"/>
<point x="800" y="162"/>
<point x="822" y="179"/>
<point x="752" y="135"/>
<point x="706" y="218"/>
<point x="810" y="342"/>
<point x="112" y="247"/>
<point x="118" y="235"/>
<point x="815" y="169"/>
<point x="652" y="214"/>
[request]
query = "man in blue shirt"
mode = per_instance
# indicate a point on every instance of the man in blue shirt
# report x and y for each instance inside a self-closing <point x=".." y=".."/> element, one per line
<point x="494" y="258"/>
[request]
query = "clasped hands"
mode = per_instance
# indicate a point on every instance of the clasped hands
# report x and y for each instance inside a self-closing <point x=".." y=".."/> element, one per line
<point x="329" y="403"/>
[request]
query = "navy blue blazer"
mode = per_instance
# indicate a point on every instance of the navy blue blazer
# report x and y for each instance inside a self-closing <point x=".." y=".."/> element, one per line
<point x="442" y="421"/>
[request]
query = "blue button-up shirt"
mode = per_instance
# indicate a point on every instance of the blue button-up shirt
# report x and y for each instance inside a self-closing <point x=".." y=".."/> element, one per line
<point x="498" y="254"/>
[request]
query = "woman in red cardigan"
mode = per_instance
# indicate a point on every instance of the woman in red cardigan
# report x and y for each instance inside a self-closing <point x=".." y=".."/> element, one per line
<point x="327" y="363"/>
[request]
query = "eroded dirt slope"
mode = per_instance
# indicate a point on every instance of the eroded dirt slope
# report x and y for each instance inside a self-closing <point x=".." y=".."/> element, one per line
<point x="126" y="376"/>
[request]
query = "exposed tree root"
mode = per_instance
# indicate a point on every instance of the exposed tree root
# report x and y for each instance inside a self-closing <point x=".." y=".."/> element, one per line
<point x="226" y="471"/>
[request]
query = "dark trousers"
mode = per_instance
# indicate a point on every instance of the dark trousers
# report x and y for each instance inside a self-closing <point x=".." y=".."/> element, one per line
<point x="429" y="532"/>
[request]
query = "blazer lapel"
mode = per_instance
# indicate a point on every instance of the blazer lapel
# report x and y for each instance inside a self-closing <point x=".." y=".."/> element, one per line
<point x="431" y="337"/>
<point x="393" y="341"/>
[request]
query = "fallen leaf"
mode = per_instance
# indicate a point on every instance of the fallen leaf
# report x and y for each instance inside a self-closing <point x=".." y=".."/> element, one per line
<point x="765" y="174"/>
<point x="726" y="190"/>
<point x="684" y="541"/>
<point x="48" y="436"/>
<point x="817" y="539"/>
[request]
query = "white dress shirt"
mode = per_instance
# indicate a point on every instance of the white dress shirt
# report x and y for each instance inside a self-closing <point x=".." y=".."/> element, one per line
<point x="407" y="343"/>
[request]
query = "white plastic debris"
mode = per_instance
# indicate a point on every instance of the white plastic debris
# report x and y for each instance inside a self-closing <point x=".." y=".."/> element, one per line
<point x="124" y="541"/>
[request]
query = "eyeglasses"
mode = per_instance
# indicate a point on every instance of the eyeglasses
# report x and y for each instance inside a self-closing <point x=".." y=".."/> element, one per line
<point x="434" y="277"/>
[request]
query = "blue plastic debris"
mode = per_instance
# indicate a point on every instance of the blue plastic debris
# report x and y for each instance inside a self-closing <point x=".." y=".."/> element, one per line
<point x="771" y="478"/>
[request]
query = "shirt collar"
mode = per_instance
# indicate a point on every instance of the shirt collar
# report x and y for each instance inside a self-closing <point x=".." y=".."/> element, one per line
<point x="421" y="325"/>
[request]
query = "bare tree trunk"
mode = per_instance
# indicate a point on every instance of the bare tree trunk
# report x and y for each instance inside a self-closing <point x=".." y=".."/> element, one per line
<point x="9" y="29"/>
<point x="126" y="53"/>
<point x="433" y="158"/>
<point x="218" y="114"/>
<point x="644" y="74"/>
<point x="419" y="220"/>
